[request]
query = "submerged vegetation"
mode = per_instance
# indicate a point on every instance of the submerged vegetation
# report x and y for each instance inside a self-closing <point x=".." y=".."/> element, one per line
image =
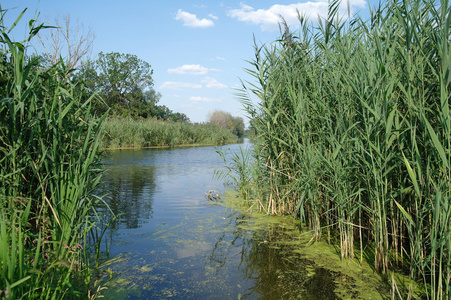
<point x="142" y="133"/>
<point x="49" y="166"/>
<point x="353" y="136"/>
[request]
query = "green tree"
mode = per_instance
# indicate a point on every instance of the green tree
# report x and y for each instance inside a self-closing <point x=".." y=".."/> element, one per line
<point x="125" y="84"/>
<point x="226" y="120"/>
<point x="123" y="80"/>
<point x="238" y="126"/>
<point x="179" y="117"/>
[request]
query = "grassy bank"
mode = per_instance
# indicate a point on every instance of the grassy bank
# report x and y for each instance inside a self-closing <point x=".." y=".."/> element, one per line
<point x="142" y="133"/>
<point x="353" y="136"/>
<point x="48" y="168"/>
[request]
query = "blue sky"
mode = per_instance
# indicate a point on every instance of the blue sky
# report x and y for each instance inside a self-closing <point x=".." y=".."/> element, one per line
<point x="197" y="49"/>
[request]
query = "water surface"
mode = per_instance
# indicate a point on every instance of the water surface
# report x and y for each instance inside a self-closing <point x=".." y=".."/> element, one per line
<point x="170" y="241"/>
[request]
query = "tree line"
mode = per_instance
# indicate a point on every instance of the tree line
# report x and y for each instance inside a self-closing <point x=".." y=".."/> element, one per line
<point x="125" y="85"/>
<point x="123" y="81"/>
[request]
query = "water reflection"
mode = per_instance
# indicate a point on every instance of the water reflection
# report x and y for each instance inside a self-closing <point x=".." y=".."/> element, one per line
<point x="129" y="193"/>
<point x="128" y="187"/>
<point x="170" y="241"/>
<point x="268" y="259"/>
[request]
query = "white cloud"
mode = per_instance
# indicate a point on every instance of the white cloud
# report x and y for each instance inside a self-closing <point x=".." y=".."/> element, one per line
<point x="173" y="85"/>
<point x="220" y="58"/>
<point x="197" y="99"/>
<point x="212" y="83"/>
<point x="191" y="20"/>
<point x="269" y="19"/>
<point x="212" y="16"/>
<point x="189" y="69"/>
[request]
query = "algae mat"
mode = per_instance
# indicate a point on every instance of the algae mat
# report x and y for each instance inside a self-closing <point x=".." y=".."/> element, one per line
<point x="222" y="252"/>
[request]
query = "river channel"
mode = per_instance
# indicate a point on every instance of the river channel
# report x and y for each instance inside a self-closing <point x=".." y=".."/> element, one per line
<point x="171" y="241"/>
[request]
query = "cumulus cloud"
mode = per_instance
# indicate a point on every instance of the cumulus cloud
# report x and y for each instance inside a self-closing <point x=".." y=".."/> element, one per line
<point x="212" y="83"/>
<point x="173" y="85"/>
<point x="189" y="69"/>
<point x="197" y="99"/>
<point x="269" y="19"/>
<point x="191" y="20"/>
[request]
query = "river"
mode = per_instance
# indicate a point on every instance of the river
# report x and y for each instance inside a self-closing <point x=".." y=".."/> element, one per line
<point x="171" y="241"/>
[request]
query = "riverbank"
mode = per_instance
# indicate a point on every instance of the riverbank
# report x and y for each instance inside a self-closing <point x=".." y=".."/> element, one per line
<point x="353" y="136"/>
<point x="319" y="261"/>
<point x="49" y="167"/>
<point x="127" y="133"/>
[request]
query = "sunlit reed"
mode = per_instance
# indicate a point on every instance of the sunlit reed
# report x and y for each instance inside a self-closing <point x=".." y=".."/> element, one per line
<point x="352" y="125"/>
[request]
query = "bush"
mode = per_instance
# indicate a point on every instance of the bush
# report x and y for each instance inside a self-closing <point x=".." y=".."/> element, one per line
<point x="226" y="120"/>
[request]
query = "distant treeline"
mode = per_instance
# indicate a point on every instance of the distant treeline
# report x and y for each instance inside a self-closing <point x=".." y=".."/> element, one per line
<point x="226" y="120"/>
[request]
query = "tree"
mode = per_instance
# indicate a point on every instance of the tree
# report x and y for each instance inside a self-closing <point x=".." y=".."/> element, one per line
<point x="238" y="126"/>
<point x="123" y="78"/>
<point x="226" y="120"/>
<point x="63" y="41"/>
<point x="179" y="117"/>
<point x="125" y="83"/>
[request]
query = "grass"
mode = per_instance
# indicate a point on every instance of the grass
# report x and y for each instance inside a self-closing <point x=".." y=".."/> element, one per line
<point x="352" y="130"/>
<point x="49" y="166"/>
<point x="143" y="133"/>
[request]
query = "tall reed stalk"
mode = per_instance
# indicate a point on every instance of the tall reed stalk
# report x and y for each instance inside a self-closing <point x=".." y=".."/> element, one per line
<point x="353" y="122"/>
<point x="49" y="166"/>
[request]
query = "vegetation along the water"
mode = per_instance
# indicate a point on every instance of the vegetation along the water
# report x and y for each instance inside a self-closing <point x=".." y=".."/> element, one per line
<point x="150" y="132"/>
<point x="352" y="136"/>
<point x="135" y="119"/>
<point x="56" y="116"/>
<point x="49" y="165"/>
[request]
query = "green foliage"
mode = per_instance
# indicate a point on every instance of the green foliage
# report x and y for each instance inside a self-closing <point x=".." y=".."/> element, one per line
<point x="226" y="120"/>
<point x="353" y="135"/>
<point x="130" y="133"/>
<point x="49" y="165"/>
<point x="122" y="78"/>
<point x="125" y="85"/>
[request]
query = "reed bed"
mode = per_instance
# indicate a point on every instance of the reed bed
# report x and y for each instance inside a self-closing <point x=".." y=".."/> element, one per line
<point x="142" y="133"/>
<point x="353" y="136"/>
<point x="49" y="166"/>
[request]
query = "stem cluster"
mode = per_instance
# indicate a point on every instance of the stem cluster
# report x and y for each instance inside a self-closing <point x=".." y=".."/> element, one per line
<point x="353" y="135"/>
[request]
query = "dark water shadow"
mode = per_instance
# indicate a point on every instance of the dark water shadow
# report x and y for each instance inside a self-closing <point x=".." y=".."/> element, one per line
<point x="267" y="260"/>
<point x="128" y="188"/>
<point x="129" y="193"/>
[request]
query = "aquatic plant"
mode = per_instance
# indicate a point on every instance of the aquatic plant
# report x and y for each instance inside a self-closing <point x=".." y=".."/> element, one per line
<point x="141" y="133"/>
<point x="353" y="130"/>
<point x="49" y="166"/>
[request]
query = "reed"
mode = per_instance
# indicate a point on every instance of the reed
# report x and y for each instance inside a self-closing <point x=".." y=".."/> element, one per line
<point x="354" y="125"/>
<point x="49" y="166"/>
<point x="142" y="133"/>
